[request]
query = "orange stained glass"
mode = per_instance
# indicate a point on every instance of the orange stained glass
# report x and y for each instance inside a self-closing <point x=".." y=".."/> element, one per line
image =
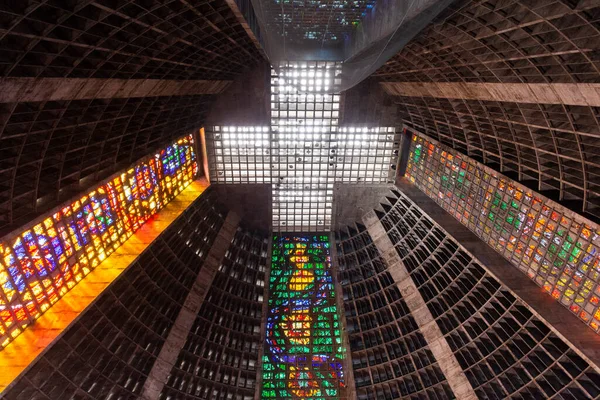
<point x="29" y="344"/>
<point x="40" y="264"/>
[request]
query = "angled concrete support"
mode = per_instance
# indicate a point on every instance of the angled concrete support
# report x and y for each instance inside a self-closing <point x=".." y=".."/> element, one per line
<point x="438" y="345"/>
<point x="584" y="341"/>
<point x="185" y="320"/>
<point x="577" y="94"/>
<point x="263" y="322"/>
<point x="14" y="90"/>
<point x="348" y="371"/>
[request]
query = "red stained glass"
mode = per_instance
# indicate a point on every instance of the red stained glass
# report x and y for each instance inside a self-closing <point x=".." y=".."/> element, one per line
<point x="52" y="256"/>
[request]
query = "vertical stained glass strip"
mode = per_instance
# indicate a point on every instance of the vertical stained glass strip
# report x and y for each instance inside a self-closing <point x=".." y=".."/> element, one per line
<point x="303" y="347"/>
<point x="41" y="264"/>
<point x="555" y="247"/>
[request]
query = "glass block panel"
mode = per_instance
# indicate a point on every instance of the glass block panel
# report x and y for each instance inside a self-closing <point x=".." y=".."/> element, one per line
<point x="303" y="345"/>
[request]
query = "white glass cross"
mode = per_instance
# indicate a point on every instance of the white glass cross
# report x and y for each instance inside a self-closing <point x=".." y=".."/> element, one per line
<point x="304" y="151"/>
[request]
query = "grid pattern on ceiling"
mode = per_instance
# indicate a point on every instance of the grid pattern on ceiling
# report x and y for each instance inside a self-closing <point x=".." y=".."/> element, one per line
<point x="379" y="326"/>
<point x="166" y="39"/>
<point x="504" y="349"/>
<point x="50" y="150"/>
<point x="556" y="248"/>
<point x="304" y="152"/>
<point x="543" y="41"/>
<point x="226" y="331"/>
<point x="328" y="20"/>
<point x="304" y="114"/>
<point x="239" y="154"/>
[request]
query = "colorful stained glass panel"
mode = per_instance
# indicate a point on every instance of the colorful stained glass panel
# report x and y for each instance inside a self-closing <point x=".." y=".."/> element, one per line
<point x="41" y="264"/>
<point x="303" y="346"/>
<point x="555" y="247"/>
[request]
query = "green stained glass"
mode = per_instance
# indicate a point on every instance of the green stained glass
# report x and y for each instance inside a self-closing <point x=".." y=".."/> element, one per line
<point x="496" y="200"/>
<point x="302" y="323"/>
<point x="513" y="219"/>
<point x="518" y="224"/>
<point x="417" y="154"/>
<point x="563" y="254"/>
<point x="510" y="218"/>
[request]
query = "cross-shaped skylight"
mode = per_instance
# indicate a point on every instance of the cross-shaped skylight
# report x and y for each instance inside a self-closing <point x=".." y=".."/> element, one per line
<point x="304" y="151"/>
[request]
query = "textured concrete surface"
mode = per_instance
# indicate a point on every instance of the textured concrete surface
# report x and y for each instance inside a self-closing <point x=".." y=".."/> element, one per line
<point x="239" y="15"/>
<point x="559" y="319"/>
<point x="368" y="104"/>
<point x="351" y="202"/>
<point x="576" y="94"/>
<point x="177" y="336"/>
<point x="350" y="391"/>
<point x="14" y="90"/>
<point x="438" y="345"/>
<point x="246" y="101"/>
<point x="263" y="321"/>
<point x="251" y="202"/>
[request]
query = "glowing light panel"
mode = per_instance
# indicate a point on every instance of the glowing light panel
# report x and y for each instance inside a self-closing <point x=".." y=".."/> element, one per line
<point x="303" y="345"/>
<point x="41" y="264"/>
<point x="304" y="152"/>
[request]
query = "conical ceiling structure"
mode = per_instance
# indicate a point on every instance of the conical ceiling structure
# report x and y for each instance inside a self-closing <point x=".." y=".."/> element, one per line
<point x="299" y="200"/>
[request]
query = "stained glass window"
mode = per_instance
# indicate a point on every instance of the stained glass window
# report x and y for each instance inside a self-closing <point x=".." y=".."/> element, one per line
<point x="303" y="348"/>
<point x="45" y="261"/>
<point x="555" y="247"/>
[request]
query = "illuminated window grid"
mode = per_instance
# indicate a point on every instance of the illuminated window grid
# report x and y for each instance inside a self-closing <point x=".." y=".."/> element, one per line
<point x="239" y="154"/>
<point x="306" y="94"/>
<point x="303" y="348"/>
<point x="39" y="265"/>
<point x="365" y="155"/>
<point x="555" y="247"/>
<point x="296" y="208"/>
<point x="304" y="152"/>
<point x="304" y="112"/>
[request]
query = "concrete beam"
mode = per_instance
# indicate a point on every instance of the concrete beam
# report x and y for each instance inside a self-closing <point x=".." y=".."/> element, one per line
<point x="577" y="94"/>
<point x="14" y="90"/>
<point x="263" y="321"/>
<point x="242" y="21"/>
<point x="351" y="202"/>
<point x="558" y="318"/>
<point x="438" y="345"/>
<point x="350" y="383"/>
<point x="187" y="315"/>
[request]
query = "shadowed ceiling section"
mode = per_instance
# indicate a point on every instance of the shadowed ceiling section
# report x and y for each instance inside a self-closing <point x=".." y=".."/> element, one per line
<point x="91" y="86"/>
<point x="512" y="84"/>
